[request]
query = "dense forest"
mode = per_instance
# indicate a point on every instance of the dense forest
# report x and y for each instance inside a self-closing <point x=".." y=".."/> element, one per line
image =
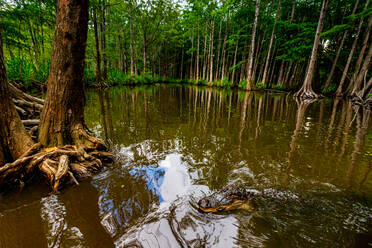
<point x="320" y="46"/>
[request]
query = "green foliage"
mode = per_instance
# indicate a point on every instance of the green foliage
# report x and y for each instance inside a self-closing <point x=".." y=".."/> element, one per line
<point x="23" y="70"/>
<point x="243" y="84"/>
<point x="89" y="75"/>
<point x="335" y="30"/>
<point x="117" y="77"/>
<point x="331" y="89"/>
<point x="261" y="85"/>
<point x="170" y="32"/>
<point x="279" y="87"/>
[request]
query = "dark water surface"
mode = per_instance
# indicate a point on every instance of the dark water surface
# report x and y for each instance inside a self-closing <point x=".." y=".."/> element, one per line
<point x="175" y="144"/>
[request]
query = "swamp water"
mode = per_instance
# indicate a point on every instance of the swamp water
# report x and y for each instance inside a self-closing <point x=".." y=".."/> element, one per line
<point x="175" y="144"/>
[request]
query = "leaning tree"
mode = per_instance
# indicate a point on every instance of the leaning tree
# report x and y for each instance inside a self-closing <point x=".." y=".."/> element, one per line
<point x="65" y="152"/>
<point x="14" y="140"/>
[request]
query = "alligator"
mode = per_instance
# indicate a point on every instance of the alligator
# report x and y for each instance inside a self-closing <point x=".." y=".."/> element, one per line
<point x="233" y="198"/>
<point x="230" y="198"/>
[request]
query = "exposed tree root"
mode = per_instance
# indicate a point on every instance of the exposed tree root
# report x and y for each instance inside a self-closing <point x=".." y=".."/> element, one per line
<point x="363" y="102"/>
<point x="59" y="165"/>
<point x="307" y="94"/>
<point x="28" y="107"/>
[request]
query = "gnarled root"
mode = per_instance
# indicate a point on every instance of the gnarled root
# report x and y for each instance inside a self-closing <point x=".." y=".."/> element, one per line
<point x="307" y="94"/>
<point x="59" y="165"/>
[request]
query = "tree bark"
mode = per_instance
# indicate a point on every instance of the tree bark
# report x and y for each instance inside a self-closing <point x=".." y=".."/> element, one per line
<point x="306" y="90"/>
<point x="251" y="49"/>
<point x="62" y="118"/>
<point x="14" y="140"/>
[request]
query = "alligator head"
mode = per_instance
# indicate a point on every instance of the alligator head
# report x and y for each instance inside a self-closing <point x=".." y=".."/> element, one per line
<point x="228" y="199"/>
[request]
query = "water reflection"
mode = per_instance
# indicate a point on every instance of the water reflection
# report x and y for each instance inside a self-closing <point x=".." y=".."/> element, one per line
<point x="174" y="144"/>
<point x="174" y="139"/>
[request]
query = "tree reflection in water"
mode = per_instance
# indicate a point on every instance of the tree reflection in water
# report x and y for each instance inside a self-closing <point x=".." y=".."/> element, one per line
<point x="175" y="144"/>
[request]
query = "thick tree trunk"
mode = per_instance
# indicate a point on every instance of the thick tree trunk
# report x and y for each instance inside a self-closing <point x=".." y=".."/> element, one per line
<point x="62" y="118"/>
<point x="251" y="49"/>
<point x="264" y="77"/>
<point x="14" y="140"/>
<point x="306" y="91"/>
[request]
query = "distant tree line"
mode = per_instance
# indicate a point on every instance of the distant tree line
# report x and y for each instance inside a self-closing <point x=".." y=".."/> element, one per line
<point x="316" y="45"/>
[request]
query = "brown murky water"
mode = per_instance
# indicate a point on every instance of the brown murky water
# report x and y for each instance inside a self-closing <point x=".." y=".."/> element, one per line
<point x="175" y="144"/>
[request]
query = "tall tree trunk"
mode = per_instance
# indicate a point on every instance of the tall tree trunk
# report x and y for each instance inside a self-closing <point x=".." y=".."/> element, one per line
<point x="205" y="58"/>
<point x="234" y="63"/>
<point x="224" y="48"/>
<point x="306" y="90"/>
<point x="192" y="56"/>
<point x="197" y="55"/>
<point x="103" y="40"/>
<point x="144" y="52"/>
<point x="211" y="53"/>
<point x="132" y="72"/>
<point x="14" y="140"/>
<point x="96" y="39"/>
<point x="281" y="70"/>
<point x="329" y="79"/>
<point x="293" y="11"/>
<point x="182" y="59"/>
<point x="216" y="74"/>
<point x="251" y="49"/>
<point x="270" y="45"/>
